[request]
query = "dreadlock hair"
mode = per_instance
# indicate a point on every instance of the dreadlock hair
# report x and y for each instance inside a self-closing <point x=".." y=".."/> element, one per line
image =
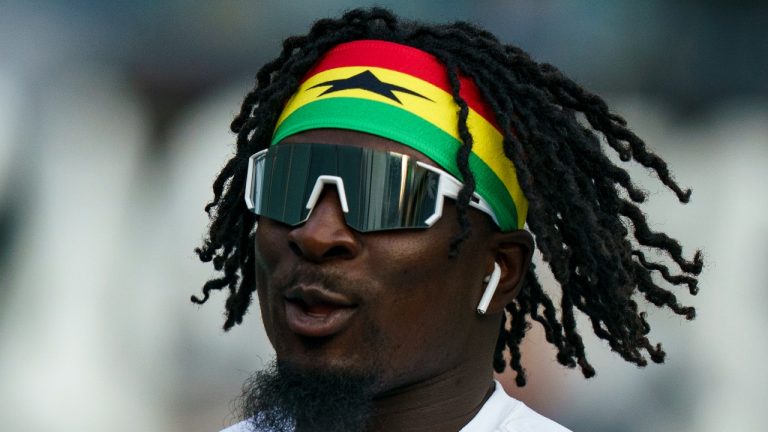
<point x="582" y="205"/>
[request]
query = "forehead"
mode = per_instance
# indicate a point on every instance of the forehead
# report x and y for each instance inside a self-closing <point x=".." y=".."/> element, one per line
<point x="357" y="139"/>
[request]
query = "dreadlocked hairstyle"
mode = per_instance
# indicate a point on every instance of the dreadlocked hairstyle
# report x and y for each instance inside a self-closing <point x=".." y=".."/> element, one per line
<point x="581" y="203"/>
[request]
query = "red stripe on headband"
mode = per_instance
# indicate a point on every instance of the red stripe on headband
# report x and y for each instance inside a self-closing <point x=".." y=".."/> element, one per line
<point x="405" y="59"/>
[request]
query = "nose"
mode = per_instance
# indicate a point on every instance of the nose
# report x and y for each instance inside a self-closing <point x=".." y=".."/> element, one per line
<point x="325" y="235"/>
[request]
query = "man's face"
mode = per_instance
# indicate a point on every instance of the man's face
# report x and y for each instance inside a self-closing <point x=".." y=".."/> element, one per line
<point x="391" y="302"/>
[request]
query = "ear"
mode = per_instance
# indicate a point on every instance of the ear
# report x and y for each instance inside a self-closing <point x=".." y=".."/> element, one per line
<point x="513" y="252"/>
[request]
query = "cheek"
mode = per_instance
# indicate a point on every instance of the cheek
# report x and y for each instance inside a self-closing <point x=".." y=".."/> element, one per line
<point x="267" y="242"/>
<point x="427" y="307"/>
<point x="420" y="342"/>
<point x="422" y="274"/>
<point x="267" y="257"/>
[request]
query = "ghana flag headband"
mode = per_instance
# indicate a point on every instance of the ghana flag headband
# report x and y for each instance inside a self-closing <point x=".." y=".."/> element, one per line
<point x="403" y="94"/>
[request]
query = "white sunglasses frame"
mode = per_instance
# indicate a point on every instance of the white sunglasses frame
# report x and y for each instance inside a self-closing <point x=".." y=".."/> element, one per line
<point x="448" y="186"/>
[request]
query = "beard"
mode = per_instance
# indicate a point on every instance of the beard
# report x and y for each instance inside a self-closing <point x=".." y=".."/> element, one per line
<point x="287" y="398"/>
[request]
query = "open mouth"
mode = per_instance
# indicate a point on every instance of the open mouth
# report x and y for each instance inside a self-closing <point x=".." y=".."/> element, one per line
<point x="316" y="309"/>
<point x="316" y="312"/>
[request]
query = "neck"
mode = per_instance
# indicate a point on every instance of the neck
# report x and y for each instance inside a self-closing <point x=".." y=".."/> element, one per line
<point x="443" y="403"/>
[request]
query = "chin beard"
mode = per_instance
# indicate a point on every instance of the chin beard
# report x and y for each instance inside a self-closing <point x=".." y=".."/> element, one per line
<point x="284" y="397"/>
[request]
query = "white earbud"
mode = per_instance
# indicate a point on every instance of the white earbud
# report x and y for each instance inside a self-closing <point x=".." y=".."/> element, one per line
<point x="493" y="281"/>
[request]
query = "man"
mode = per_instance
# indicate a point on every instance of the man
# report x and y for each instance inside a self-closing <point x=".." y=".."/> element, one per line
<point x="389" y="288"/>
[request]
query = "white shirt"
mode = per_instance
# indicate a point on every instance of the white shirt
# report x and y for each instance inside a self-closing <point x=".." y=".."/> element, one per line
<point x="500" y="413"/>
<point x="503" y="413"/>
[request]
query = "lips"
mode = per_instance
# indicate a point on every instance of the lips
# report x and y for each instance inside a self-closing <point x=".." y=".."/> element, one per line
<point x="313" y="311"/>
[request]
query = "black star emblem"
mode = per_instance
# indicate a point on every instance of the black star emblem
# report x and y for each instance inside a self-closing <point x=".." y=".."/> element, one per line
<point x="367" y="81"/>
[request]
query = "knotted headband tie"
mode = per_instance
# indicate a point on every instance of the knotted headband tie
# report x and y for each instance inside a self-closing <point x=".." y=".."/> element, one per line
<point x="403" y="94"/>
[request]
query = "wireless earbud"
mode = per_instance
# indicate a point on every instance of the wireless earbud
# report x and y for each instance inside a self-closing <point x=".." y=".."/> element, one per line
<point x="492" y="281"/>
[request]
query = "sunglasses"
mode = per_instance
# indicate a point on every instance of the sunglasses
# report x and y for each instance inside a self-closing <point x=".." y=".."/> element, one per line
<point x="378" y="190"/>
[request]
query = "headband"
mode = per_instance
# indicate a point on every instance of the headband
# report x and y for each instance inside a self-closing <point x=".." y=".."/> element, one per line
<point x="403" y="94"/>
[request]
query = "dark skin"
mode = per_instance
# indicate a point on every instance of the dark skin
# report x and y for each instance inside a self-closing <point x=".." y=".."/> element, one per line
<point x="412" y="310"/>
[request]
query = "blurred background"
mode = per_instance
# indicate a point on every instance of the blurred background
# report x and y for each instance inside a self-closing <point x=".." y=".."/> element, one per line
<point x="114" y="120"/>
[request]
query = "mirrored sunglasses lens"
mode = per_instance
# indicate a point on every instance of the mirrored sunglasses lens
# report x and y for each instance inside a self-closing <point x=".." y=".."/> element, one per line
<point x="397" y="194"/>
<point x="384" y="190"/>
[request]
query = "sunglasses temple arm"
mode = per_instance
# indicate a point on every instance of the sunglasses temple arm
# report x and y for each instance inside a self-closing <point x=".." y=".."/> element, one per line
<point x="450" y="187"/>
